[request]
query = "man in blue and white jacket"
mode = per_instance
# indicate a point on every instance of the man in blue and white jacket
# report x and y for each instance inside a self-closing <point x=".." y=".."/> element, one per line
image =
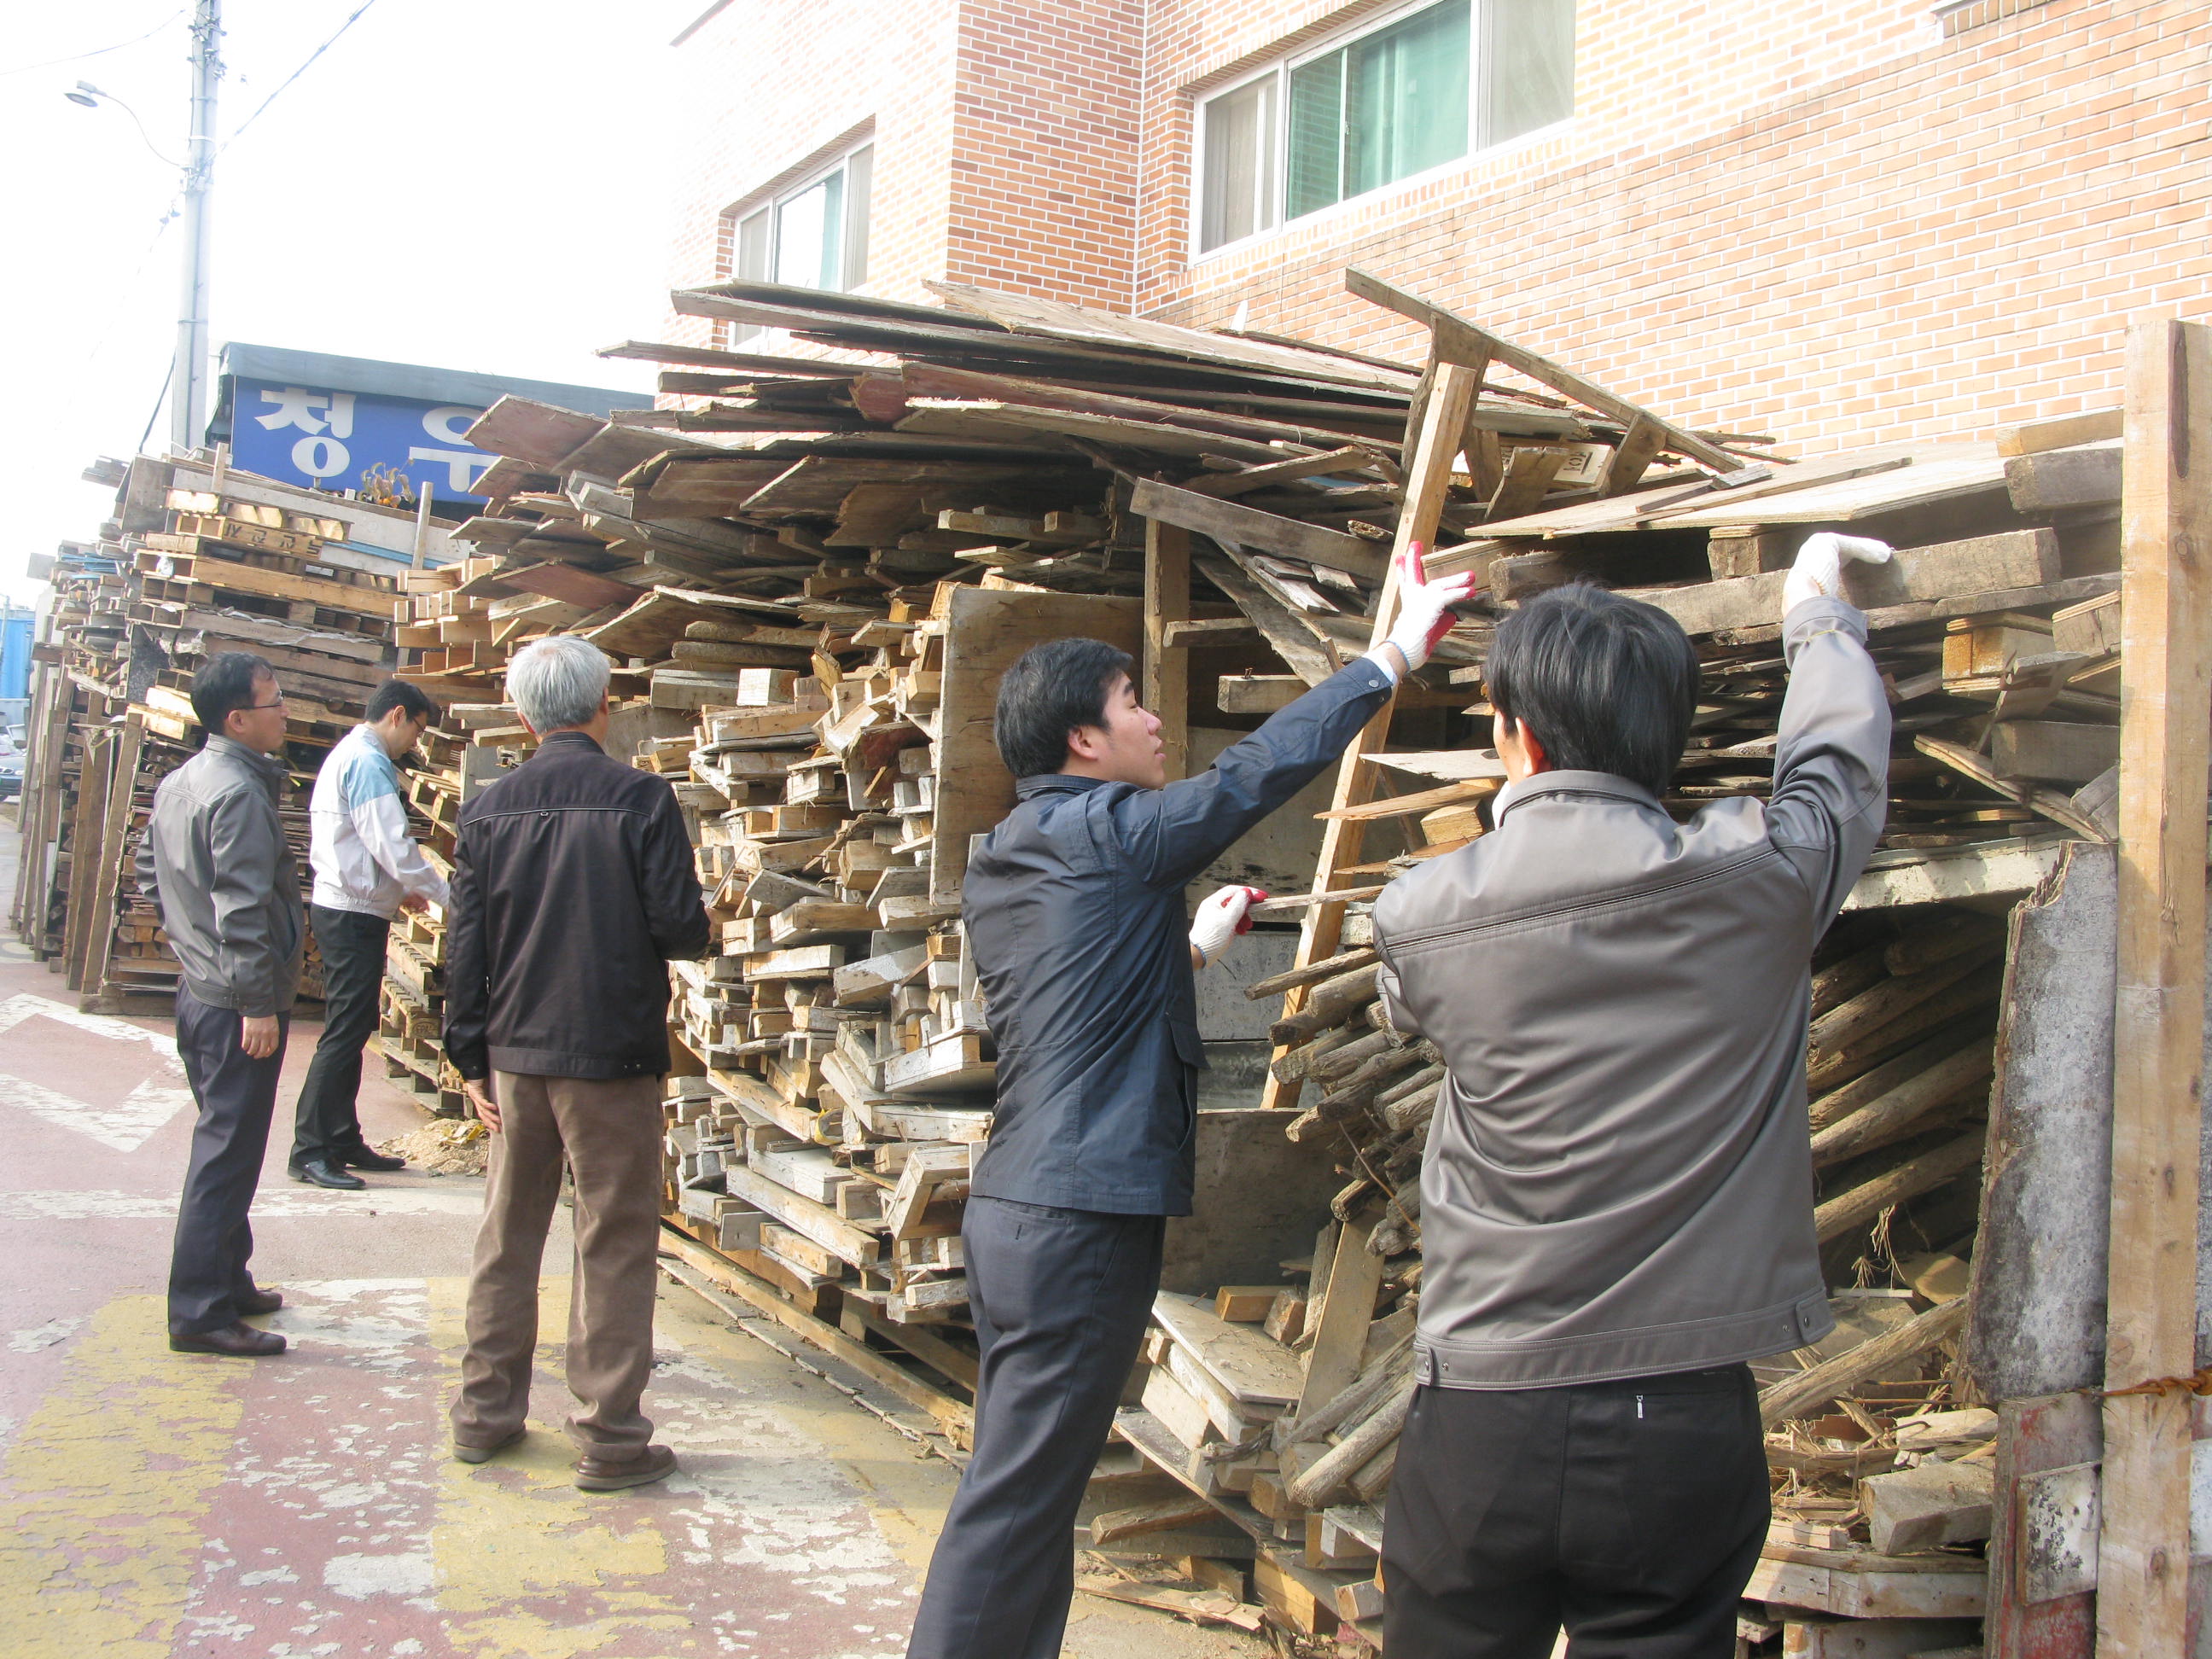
<point x="366" y="869"/>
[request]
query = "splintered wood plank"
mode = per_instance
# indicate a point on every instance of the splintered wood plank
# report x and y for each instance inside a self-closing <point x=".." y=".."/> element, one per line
<point x="2143" y="1598"/>
<point x="1166" y="690"/>
<point x="1452" y="392"/>
<point x="986" y="630"/>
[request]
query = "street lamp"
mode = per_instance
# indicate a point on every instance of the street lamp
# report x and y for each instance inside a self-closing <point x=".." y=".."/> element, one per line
<point x="92" y="97"/>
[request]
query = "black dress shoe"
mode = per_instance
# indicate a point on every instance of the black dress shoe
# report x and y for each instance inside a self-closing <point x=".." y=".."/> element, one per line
<point x="259" y="1302"/>
<point x="321" y="1172"/>
<point x="239" y="1341"/>
<point x="360" y="1158"/>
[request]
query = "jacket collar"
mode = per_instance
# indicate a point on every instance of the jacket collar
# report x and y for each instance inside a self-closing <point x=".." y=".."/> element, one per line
<point x="1053" y="783"/>
<point x="568" y="737"/>
<point x="1546" y="784"/>
<point x="266" y="765"/>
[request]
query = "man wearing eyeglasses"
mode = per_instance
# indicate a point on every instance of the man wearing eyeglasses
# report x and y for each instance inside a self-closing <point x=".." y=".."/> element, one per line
<point x="215" y="864"/>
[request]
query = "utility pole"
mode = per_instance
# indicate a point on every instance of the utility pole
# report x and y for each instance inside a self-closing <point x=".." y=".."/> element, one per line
<point x="188" y="383"/>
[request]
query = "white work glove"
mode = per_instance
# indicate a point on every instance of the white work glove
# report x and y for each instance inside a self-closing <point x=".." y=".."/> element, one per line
<point x="1423" y="608"/>
<point x="1819" y="567"/>
<point x="1223" y="916"/>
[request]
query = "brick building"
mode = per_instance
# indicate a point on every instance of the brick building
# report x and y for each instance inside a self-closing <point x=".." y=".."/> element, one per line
<point x="1839" y="220"/>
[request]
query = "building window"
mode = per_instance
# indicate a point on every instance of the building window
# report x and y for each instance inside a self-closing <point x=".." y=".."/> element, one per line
<point x="1415" y="91"/>
<point x="812" y="234"/>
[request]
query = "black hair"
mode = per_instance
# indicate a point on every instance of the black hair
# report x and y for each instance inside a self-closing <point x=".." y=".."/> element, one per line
<point x="224" y="682"/>
<point x="1050" y="690"/>
<point x="399" y="694"/>
<point x="1604" y="683"/>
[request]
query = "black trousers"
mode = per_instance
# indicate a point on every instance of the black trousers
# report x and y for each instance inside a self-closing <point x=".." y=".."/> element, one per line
<point x="1061" y="1300"/>
<point x="1630" y="1512"/>
<point x="237" y="1097"/>
<point x="327" y="1123"/>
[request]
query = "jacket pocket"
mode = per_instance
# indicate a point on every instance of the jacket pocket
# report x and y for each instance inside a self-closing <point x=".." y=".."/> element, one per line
<point x="1189" y="1047"/>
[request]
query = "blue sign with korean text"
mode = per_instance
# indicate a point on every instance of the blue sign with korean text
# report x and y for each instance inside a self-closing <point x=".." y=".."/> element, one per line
<point x="356" y="440"/>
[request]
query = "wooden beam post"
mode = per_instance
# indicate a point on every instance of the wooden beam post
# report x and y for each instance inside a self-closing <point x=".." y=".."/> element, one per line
<point x="1453" y="389"/>
<point x="1166" y="687"/>
<point x="2165" y="721"/>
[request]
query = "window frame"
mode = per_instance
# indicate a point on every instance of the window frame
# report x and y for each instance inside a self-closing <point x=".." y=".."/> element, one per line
<point x="766" y="204"/>
<point x="1279" y="68"/>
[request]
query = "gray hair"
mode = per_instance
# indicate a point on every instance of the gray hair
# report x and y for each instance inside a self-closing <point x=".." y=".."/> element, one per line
<point x="558" y="682"/>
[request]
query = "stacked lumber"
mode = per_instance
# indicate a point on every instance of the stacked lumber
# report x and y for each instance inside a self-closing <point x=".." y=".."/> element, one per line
<point x="195" y="561"/>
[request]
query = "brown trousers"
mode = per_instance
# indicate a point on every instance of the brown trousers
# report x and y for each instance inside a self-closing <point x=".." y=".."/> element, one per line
<point x="609" y="1133"/>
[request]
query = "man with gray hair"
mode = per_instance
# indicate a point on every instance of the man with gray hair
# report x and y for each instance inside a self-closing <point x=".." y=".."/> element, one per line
<point x="573" y="888"/>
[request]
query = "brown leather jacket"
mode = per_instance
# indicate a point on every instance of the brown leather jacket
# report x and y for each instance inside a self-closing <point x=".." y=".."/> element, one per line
<point x="1617" y="1181"/>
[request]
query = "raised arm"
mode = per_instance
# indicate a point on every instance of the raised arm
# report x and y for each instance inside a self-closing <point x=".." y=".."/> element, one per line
<point x="1832" y="762"/>
<point x="1172" y="834"/>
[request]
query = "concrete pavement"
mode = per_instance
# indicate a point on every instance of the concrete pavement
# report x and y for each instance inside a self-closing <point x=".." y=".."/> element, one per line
<point x="162" y="1504"/>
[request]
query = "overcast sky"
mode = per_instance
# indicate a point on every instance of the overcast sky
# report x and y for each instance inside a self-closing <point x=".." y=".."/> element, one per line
<point x="473" y="183"/>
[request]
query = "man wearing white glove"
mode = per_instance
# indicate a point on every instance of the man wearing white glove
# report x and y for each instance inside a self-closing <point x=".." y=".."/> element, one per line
<point x="1074" y="907"/>
<point x="1616" y="1191"/>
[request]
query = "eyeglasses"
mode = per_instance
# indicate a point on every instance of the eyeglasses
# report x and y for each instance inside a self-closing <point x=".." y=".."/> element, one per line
<point x="279" y="703"/>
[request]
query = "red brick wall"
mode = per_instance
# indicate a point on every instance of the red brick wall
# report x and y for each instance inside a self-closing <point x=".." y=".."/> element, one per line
<point x="767" y="87"/>
<point x="1839" y="220"/>
<point x="1044" y="149"/>
<point x="1826" y="220"/>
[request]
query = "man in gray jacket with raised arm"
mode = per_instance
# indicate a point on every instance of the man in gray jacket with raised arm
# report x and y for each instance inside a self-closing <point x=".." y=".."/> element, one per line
<point x="1617" y="1194"/>
<point x="215" y="864"/>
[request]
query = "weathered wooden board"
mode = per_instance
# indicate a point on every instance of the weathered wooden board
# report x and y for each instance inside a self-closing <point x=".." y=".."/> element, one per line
<point x="989" y="629"/>
<point x="2021" y="558"/>
<point x="1241" y="1359"/>
<point x="2037" y="1326"/>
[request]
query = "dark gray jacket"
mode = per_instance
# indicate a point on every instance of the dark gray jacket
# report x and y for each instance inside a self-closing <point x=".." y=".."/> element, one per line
<point x="1617" y="1180"/>
<point x="216" y="864"/>
<point x="1074" y="907"/>
<point x="573" y="888"/>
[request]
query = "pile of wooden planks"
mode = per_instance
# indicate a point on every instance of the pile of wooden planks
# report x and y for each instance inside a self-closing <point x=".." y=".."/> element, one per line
<point x="198" y="559"/>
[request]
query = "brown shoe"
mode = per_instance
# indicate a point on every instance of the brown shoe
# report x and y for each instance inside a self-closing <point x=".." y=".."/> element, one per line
<point x="238" y="1339"/>
<point x="611" y="1474"/>
<point x="260" y="1302"/>
<point x="468" y="1453"/>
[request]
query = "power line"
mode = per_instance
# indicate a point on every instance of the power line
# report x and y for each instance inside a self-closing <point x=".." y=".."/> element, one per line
<point x="294" y="75"/>
<point x="97" y="52"/>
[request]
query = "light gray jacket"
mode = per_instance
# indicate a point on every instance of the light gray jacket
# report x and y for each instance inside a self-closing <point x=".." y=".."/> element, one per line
<point x="215" y="861"/>
<point x="1618" y="1182"/>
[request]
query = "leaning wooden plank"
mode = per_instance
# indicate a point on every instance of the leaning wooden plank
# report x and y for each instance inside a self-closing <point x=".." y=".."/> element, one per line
<point x="1246" y="527"/>
<point x="2142" y="1594"/>
<point x="1452" y="390"/>
<point x="1352" y="459"/>
<point x="1541" y="369"/>
<point x="1249" y="1366"/>
<point x="1321" y="1479"/>
<point x="1799" y="1395"/>
<point x="737" y="362"/>
<point x="2018" y="558"/>
<point x="1939" y="472"/>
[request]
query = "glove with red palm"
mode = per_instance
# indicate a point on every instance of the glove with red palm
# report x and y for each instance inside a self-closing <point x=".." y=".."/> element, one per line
<point x="1225" y="914"/>
<point x="1425" y="613"/>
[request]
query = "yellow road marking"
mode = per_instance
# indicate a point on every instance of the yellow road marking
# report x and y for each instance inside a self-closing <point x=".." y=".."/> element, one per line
<point x="517" y="1528"/>
<point x="108" y="1484"/>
